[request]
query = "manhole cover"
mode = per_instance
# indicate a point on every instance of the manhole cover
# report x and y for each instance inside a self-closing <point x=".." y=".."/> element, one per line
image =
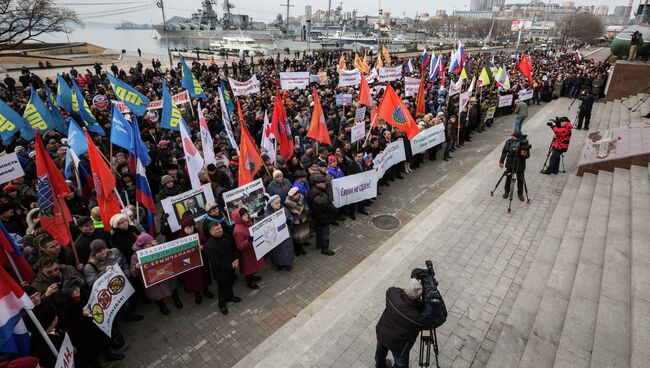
<point x="386" y="222"/>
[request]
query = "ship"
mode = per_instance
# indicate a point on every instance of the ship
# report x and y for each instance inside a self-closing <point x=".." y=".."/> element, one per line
<point x="127" y="26"/>
<point x="205" y="24"/>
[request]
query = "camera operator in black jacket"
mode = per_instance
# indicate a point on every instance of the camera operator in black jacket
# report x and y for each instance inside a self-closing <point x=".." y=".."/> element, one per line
<point x="406" y="314"/>
<point x="515" y="152"/>
<point x="585" y="109"/>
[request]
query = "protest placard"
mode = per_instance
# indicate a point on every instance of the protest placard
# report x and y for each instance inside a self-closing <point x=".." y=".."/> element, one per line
<point x="65" y="359"/>
<point x="387" y="74"/>
<point x="411" y="86"/>
<point x="291" y="80"/>
<point x="190" y="203"/>
<point x="178" y="99"/>
<point x="269" y="232"/>
<point x="525" y="94"/>
<point x="505" y="100"/>
<point x="428" y="138"/>
<point x="249" y="196"/>
<point x="10" y="168"/>
<point x="358" y="131"/>
<point x="391" y="155"/>
<point x="343" y="99"/>
<point x="166" y="260"/>
<point x="372" y="76"/>
<point x="110" y="291"/>
<point x="246" y="87"/>
<point x="360" y="114"/>
<point x="349" y="78"/>
<point x="490" y="112"/>
<point x="354" y="188"/>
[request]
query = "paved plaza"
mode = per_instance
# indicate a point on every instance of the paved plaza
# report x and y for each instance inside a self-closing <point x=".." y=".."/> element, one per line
<point x="199" y="336"/>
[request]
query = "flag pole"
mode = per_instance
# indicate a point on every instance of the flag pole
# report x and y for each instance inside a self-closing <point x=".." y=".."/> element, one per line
<point x="41" y="330"/>
<point x="67" y="228"/>
<point x="13" y="265"/>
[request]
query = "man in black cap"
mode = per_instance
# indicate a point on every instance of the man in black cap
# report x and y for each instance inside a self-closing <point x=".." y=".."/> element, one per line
<point x="357" y="166"/>
<point x="323" y="213"/>
<point x="88" y="234"/>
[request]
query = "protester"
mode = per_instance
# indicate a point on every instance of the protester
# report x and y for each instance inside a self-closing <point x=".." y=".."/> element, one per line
<point x="197" y="279"/>
<point x="248" y="262"/>
<point x="222" y="254"/>
<point x="282" y="255"/>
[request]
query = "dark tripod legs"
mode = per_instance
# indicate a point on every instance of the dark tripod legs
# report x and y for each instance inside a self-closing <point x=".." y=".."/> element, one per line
<point x="548" y="155"/>
<point x="426" y="341"/>
<point x="512" y="177"/>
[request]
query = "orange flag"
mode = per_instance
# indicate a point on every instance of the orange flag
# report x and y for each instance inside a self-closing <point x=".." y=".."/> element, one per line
<point x="250" y="160"/>
<point x="341" y="63"/>
<point x="419" y="101"/>
<point x="104" y="180"/>
<point x="379" y="62"/>
<point x="364" y="91"/>
<point x="395" y="113"/>
<point x="317" y="126"/>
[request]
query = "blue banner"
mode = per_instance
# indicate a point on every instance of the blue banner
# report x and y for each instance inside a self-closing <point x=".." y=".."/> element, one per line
<point x="171" y="115"/>
<point x="120" y="129"/>
<point x="10" y="122"/>
<point x="63" y="94"/>
<point x="77" y="142"/>
<point x="190" y="83"/>
<point x="60" y="124"/>
<point x="133" y="99"/>
<point x="36" y="114"/>
<point x="81" y="109"/>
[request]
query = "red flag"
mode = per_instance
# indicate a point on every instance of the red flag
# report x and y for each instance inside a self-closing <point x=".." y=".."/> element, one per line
<point x="51" y="186"/>
<point x="364" y="91"/>
<point x="420" y="102"/>
<point x="395" y="113"/>
<point x="317" y="126"/>
<point x="526" y="67"/>
<point x="280" y="125"/>
<point x="11" y="255"/>
<point x="250" y="160"/>
<point x="104" y="180"/>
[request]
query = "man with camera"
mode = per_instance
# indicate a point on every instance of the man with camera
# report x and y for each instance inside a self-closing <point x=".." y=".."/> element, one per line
<point x="562" y="130"/>
<point x="585" y="109"/>
<point x="515" y="152"/>
<point x="418" y="307"/>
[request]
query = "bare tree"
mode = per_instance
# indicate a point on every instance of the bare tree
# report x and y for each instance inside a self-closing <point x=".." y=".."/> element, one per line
<point x="433" y="26"/>
<point x="24" y="20"/>
<point x="583" y="26"/>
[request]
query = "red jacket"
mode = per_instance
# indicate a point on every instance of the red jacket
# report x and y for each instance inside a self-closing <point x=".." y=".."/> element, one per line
<point x="562" y="136"/>
<point x="248" y="263"/>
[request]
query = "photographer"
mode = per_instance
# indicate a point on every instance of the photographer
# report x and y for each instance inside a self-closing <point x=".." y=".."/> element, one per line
<point x="408" y="311"/>
<point x="515" y="152"/>
<point x="585" y="109"/>
<point x="562" y="129"/>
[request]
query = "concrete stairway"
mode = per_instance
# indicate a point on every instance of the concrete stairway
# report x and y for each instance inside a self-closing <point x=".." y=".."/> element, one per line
<point x="586" y="300"/>
<point x="617" y="113"/>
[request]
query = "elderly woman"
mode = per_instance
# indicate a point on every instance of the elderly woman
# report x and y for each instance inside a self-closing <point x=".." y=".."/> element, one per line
<point x="282" y="255"/>
<point x="123" y="235"/>
<point x="279" y="185"/>
<point x="248" y="262"/>
<point x="161" y="290"/>
<point x="299" y="227"/>
<point x="197" y="279"/>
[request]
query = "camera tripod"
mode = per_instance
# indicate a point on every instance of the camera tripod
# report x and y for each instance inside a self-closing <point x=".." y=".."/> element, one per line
<point x="548" y="155"/>
<point x="513" y="180"/>
<point x="426" y="341"/>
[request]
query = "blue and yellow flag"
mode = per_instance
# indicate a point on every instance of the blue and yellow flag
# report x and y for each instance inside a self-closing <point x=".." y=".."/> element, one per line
<point x="37" y="115"/>
<point x="10" y="122"/>
<point x="190" y="83"/>
<point x="60" y="124"/>
<point x="171" y="115"/>
<point x="63" y="94"/>
<point x="78" y="101"/>
<point x="133" y="99"/>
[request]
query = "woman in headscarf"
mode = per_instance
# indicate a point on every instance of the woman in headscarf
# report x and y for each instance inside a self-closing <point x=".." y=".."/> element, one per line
<point x="248" y="263"/>
<point x="299" y="227"/>
<point x="123" y="235"/>
<point x="282" y="255"/>
<point x="213" y="214"/>
<point x="197" y="279"/>
<point x="161" y="290"/>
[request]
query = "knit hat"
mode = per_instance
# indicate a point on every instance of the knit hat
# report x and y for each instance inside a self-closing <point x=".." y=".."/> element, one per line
<point x="97" y="246"/>
<point x="319" y="179"/>
<point x="143" y="239"/>
<point x="210" y="206"/>
<point x="116" y="219"/>
<point x="84" y="220"/>
<point x="331" y="159"/>
<point x="301" y="174"/>
<point x="293" y="191"/>
<point x="166" y="179"/>
<point x="274" y="199"/>
<point x="277" y="173"/>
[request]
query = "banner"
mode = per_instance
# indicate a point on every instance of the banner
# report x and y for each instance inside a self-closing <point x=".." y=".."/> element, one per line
<point x="393" y="154"/>
<point x="291" y="80"/>
<point x="490" y="112"/>
<point x="166" y="260"/>
<point x="354" y="188"/>
<point x="411" y="86"/>
<point x="249" y="196"/>
<point x="10" y="168"/>
<point x="343" y="99"/>
<point x="505" y="100"/>
<point x="358" y="132"/>
<point x="269" y="232"/>
<point x="65" y="359"/>
<point x="360" y="114"/>
<point x="428" y="138"/>
<point x="245" y="88"/>
<point x="464" y="99"/>
<point x="190" y="203"/>
<point x="371" y="76"/>
<point x="110" y="291"/>
<point x="387" y="74"/>
<point x="525" y="94"/>
<point x="179" y="99"/>
<point x="349" y="78"/>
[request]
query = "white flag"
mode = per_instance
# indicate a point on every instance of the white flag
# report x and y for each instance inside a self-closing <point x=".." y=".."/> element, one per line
<point x="268" y="139"/>
<point x="206" y="139"/>
<point x="193" y="158"/>
<point x="226" y="121"/>
<point x="454" y="88"/>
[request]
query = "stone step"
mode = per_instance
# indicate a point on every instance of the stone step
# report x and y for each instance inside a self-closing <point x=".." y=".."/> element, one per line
<point x="635" y="116"/>
<point x="596" y="115"/>
<point x="604" y="120"/>
<point x="577" y="338"/>
<point x="545" y="334"/>
<point x="612" y="336"/>
<point x="615" y="117"/>
<point x="625" y="115"/>
<point x="645" y="107"/>
<point x="512" y="341"/>
<point x="640" y="256"/>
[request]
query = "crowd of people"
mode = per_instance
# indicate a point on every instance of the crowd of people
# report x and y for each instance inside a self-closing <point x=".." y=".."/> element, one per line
<point x="300" y="182"/>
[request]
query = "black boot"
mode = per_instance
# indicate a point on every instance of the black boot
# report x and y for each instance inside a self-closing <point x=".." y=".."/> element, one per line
<point x="177" y="301"/>
<point x="197" y="298"/>
<point x="162" y="306"/>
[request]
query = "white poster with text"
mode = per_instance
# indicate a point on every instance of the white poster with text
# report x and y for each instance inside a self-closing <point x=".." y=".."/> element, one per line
<point x="349" y="78"/>
<point x="109" y="293"/>
<point x="291" y="80"/>
<point x="387" y="74"/>
<point x="354" y="188"/>
<point x="393" y="154"/>
<point x="268" y="232"/>
<point x="411" y="86"/>
<point x="428" y="138"/>
<point x="246" y="87"/>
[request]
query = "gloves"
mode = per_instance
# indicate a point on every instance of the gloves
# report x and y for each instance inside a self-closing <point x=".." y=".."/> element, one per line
<point x="250" y="239"/>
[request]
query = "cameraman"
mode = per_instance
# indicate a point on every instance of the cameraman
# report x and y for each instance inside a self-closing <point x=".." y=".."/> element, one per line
<point x="515" y="152"/>
<point x="406" y="314"/>
<point x="562" y="128"/>
<point x="585" y="109"/>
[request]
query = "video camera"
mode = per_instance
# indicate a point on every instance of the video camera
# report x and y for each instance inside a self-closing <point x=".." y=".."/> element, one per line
<point x="430" y="291"/>
<point x="519" y="145"/>
<point x="557" y="122"/>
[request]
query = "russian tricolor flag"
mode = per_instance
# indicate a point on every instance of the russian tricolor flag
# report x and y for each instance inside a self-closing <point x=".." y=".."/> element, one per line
<point x="13" y="333"/>
<point x="142" y="188"/>
<point x="577" y="56"/>
<point x="409" y="67"/>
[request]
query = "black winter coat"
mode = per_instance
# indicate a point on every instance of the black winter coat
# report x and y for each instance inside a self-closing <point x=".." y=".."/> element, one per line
<point x="221" y="253"/>
<point x="323" y="211"/>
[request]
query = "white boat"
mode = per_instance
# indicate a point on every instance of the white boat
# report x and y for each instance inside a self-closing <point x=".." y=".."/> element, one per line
<point x="242" y="45"/>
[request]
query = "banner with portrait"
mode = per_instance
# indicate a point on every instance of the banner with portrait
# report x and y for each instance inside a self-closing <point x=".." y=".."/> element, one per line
<point x="187" y="204"/>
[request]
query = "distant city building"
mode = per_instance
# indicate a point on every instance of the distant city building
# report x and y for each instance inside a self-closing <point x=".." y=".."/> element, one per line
<point x="486" y="5"/>
<point x="568" y="4"/>
<point x="474" y="14"/>
<point x="601" y="10"/>
<point x="441" y="13"/>
<point x="621" y="10"/>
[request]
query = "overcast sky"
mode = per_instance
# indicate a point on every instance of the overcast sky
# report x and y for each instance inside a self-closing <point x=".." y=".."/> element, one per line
<point x="266" y="10"/>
